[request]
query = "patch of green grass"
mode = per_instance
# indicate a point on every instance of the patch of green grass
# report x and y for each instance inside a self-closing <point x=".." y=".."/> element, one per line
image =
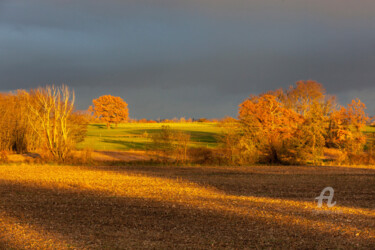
<point x="137" y="136"/>
<point x="370" y="132"/>
<point x="370" y="129"/>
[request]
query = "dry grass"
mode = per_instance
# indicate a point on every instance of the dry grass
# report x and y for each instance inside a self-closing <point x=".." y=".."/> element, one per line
<point x="186" y="207"/>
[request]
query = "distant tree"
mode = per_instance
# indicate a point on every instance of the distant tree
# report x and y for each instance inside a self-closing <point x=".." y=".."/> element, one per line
<point x="227" y="119"/>
<point x="110" y="109"/>
<point x="203" y="120"/>
<point x="182" y="120"/>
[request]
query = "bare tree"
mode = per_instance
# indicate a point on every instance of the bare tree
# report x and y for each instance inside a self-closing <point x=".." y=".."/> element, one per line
<point x="50" y="111"/>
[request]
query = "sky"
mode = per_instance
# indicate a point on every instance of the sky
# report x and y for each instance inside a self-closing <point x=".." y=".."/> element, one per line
<point x="191" y="58"/>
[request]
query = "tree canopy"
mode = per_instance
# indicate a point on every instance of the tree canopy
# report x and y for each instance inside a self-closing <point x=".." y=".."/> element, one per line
<point x="295" y="125"/>
<point x="110" y="109"/>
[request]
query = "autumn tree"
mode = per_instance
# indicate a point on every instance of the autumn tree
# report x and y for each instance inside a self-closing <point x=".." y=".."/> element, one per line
<point x="308" y="141"/>
<point x="346" y="125"/>
<point x="235" y="147"/>
<point x="267" y="125"/>
<point x="14" y="131"/>
<point x="309" y="99"/>
<point x="295" y="125"/>
<point x="301" y="97"/>
<point x="110" y="109"/>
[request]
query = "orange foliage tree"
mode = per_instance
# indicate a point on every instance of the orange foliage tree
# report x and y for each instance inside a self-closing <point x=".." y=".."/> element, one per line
<point x="110" y="109"/>
<point x="301" y="97"/>
<point x="346" y="125"/>
<point x="268" y="125"/>
<point x="308" y="99"/>
<point x="15" y="132"/>
<point x="294" y="126"/>
<point x="307" y="94"/>
<point x="309" y="139"/>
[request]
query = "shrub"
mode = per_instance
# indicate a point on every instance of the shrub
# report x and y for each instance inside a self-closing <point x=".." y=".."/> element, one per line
<point x="201" y="155"/>
<point x="171" y="143"/>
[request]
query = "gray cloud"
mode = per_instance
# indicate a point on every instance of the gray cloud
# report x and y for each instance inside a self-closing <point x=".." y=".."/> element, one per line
<point x="193" y="58"/>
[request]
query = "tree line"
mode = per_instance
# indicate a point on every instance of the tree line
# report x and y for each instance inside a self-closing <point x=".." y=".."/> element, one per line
<point x="294" y="126"/>
<point x="114" y="110"/>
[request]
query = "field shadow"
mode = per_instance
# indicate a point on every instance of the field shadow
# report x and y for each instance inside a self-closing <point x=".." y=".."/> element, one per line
<point x="196" y="136"/>
<point x="130" y="145"/>
<point x="353" y="187"/>
<point x="91" y="220"/>
<point x="99" y="126"/>
<point x="122" y="156"/>
<point x="203" y="137"/>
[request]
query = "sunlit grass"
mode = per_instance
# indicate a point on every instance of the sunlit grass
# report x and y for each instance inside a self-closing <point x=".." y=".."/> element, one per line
<point x="370" y="132"/>
<point x="342" y="221"/>
<point x="370" y="129"/>
<point x="136" y="136"/>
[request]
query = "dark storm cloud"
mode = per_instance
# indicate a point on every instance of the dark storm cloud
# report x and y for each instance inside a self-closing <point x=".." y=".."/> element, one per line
<point x="194" y="58"/>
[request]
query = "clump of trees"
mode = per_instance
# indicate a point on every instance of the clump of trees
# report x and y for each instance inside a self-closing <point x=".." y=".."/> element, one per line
<point x="110" y="110"/>
<point x="172" y="143"/>
<point x="41" y="120"/>
<point x="293" y="126"/>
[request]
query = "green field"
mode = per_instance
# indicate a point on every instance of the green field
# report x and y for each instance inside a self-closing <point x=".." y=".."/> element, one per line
<point x="137" y="136"/>
<point x="370" y="129"/>
<point x="370" y="132"/>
